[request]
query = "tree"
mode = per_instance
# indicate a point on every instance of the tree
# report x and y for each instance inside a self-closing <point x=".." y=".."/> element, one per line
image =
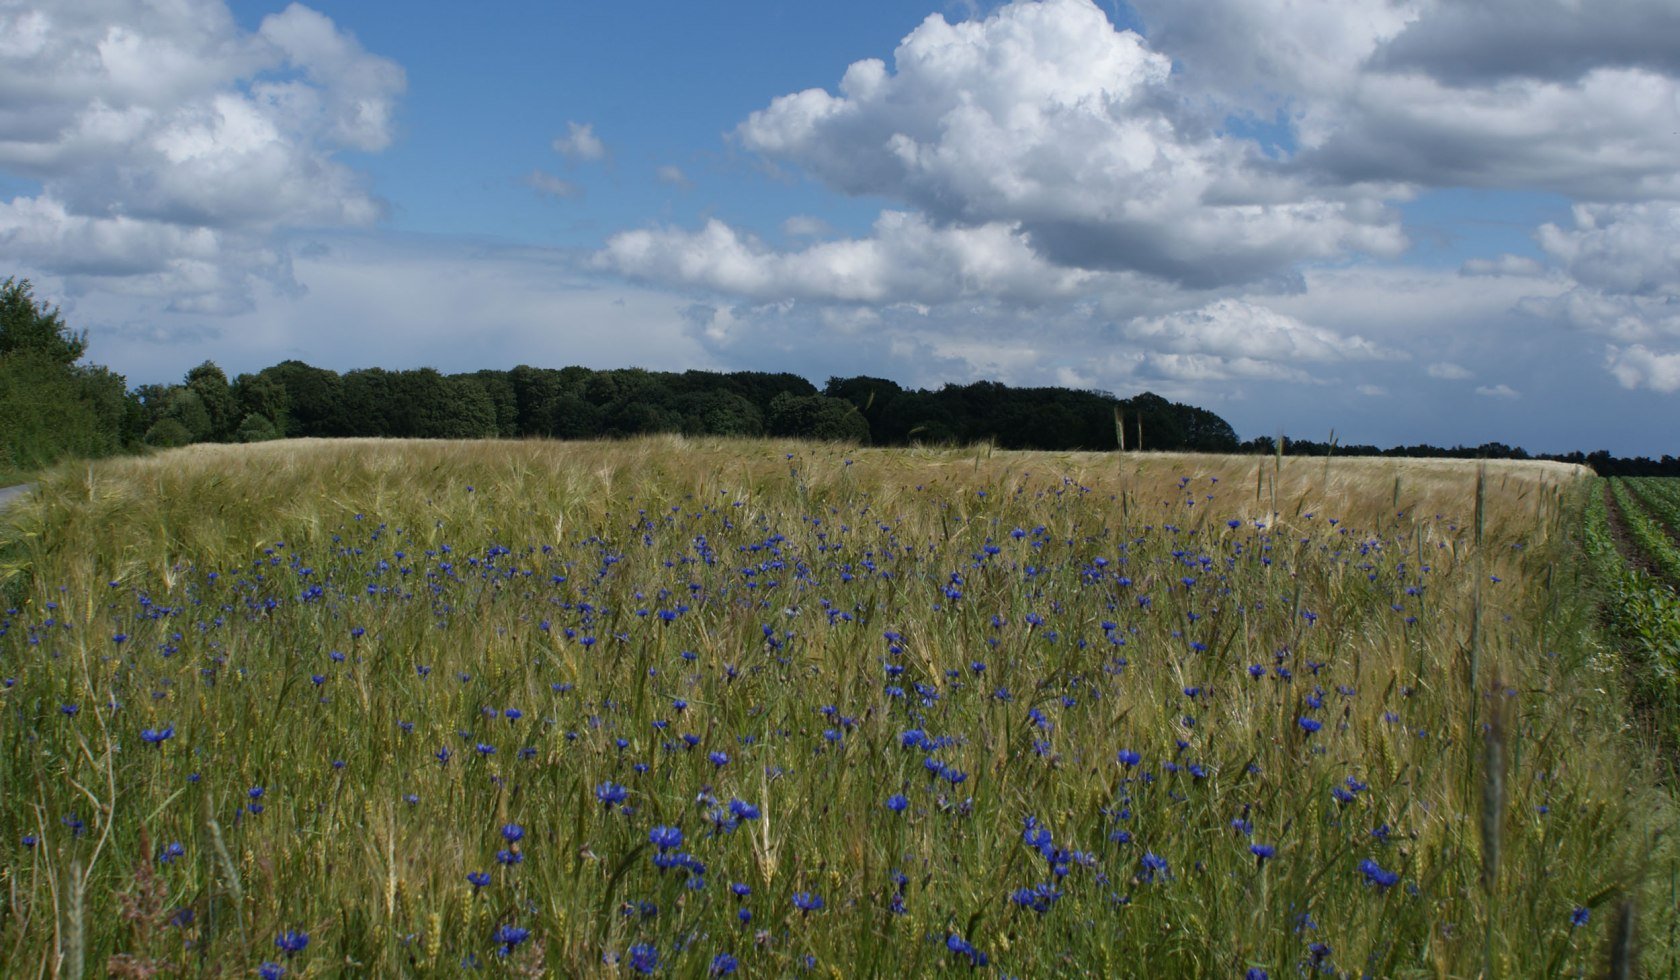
<point x="210" y="384"/>
<point x="256" y="428"/>
<point x="28" y="327"/>
<point x="817" y="417"/>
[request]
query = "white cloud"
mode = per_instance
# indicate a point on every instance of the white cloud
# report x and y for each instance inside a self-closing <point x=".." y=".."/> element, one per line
<point x="169" y="144"/>
<point x="1372" y="391"/>
<point x="1448" y="371"/>
<point x="1232" y="328"/>
<point x="1620" y="248"/>
<point x="550" y="185"/>
<point x="1578" y="98"/>
<point x="1639" y="367"/>
<point x="673" y="175"/>
<point x="906" y="259"/>
<point x="580" y="143"/>
<point x="1045" y="117"/>
<point x="1498" y="391"/>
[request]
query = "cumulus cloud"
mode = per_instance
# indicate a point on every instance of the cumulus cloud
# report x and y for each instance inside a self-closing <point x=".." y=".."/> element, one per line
<point x="580" y="143"/>
<point x="905" y="259"/>
<point x="1502" y="391"/>
<point x="1582" y="99"/>
<point x="1045" y="117"/>
<point x="1232" y="328"/>
<point x="673" y="175"/>
<point x="1448" y="371"/>
<point x="1639" y="367"/>
<point x="169" y="144"/>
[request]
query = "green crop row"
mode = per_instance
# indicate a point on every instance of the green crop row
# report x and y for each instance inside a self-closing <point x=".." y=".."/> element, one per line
<point x="1647" y="534"/>
<point x="1661" y="497"/>
<point x="1643" y="613"/>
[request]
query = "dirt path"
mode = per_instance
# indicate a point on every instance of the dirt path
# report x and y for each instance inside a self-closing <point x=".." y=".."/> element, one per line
<point x="1624" y="541"/>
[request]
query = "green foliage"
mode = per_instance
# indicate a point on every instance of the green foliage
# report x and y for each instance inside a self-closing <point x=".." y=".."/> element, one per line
<point x="28" y="327"/>
<point x="817" y="417"/>
<point x="50" y="407"/>
<point x="168" y="433"/>
<point x="256" y="428"/>
<point x="221" y="408"/>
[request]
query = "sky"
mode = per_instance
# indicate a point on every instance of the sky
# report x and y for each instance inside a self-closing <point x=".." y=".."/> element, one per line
<point x="1443" y="221"/>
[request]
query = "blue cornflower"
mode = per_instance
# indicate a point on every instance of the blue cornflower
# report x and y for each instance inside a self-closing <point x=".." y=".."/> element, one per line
<point x="478" y="879"/>
<point x="508" y="937"/>
<point x="665" y="838"/>
<point x="1261" y="852"/>
<point x="157" y="736"/>
<point x="612" y="794"/>
<point x="512" y="832"/>
<point x="963" y="947"/>
<point x="1255" y="973"/>
<point x="1128" y="758"/>
<point x="742" y="810"/>
<point x="1579" y="917"/>
<point x="292" y="942"/>
<point x="807" y="901"/>
<point x="171" y="852"/>
<point x="1152" y="864"/>
<point x="509" y="858"/>
<point x="270" y="970"/>
<point x="723" y="964"/>
<point x="740" y="889"/>
<point x="643" y="958"/>
<point x="1375" y="875"/>
<point x="897" y="803"/>
<point x="1309" y="725"/>
<point x="718" y="759"/>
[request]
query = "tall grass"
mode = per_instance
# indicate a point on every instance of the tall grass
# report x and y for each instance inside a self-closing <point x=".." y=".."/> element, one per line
<point x="1064" y="714"/>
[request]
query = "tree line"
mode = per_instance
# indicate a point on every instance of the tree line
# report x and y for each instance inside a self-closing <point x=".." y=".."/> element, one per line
<point x="53" y="407"/>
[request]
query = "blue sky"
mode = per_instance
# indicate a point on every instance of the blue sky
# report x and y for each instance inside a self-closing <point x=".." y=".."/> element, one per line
<point x="1409" y="220"/>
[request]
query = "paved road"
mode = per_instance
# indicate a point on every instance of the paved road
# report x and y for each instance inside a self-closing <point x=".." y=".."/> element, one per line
<point x="8" y="494"/>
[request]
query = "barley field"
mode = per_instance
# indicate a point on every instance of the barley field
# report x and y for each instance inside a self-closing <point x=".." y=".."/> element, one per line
<point x="707" y="707"/>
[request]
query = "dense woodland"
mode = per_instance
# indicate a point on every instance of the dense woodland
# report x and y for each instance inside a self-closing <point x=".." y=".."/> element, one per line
<point x="54" y="407"/>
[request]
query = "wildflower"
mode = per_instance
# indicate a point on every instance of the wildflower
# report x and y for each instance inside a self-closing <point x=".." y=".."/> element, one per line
<point x="897" y="803"/>
<point x="644" y="958"/>
<point x="718" y="759"/>
<point x="723" y="964"/>
<point x="665" y="838"/>
<point x="1151" y="864"/>
<point x="509" y="858"/>
<point x="1579" y="917"/>
<point x="478" y="879"/>
<point x="1375" y="875"/>
<point x="742" y="810"/>
<point x="157" y="736"/>
<point x="1309" y="725"/>
<point x="292" y="942"/>
<point x="740" y="889"/>
<point x="807" y="901"/>
<point x="1128" y="758"/>
<point x="963" y="947"/>
<point x="1261" y="852"/>
<point x="1255" y="973"/>
<point x="508" y="937"/>
<point x="512" y="833"/>
<point x="612" y="794"/>
<point x="270" y="970"/>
